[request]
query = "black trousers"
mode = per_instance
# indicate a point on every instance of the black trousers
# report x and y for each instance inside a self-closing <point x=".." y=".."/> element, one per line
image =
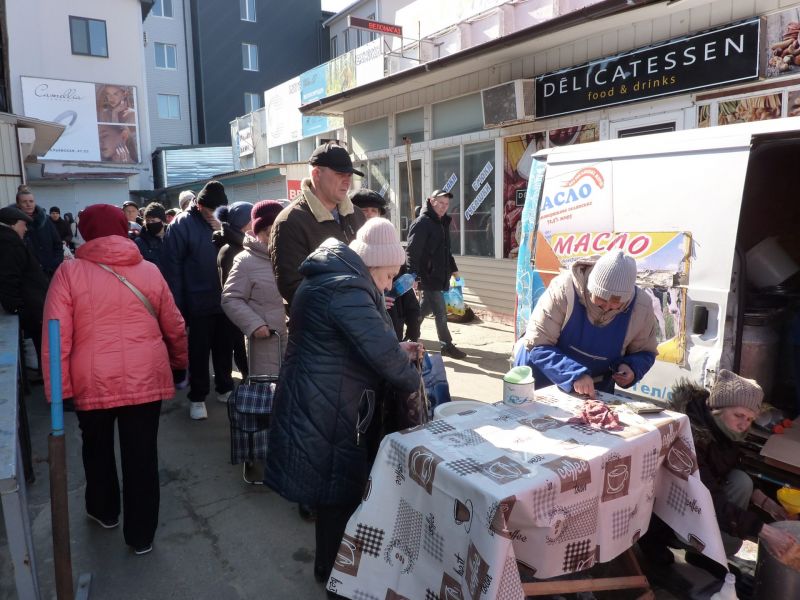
<point x="239" y="349"/>
<point x="138" y="442"/>
<point x="209" y="334"/>
<point x="329" y="528"/>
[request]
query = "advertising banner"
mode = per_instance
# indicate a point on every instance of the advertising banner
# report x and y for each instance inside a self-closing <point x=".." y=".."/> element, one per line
<point x="284" y="122"/>
<point x="246" y="141"/>
<point x="369" y="62"/>
<point x="782" y="50"/>
<point x="100" y="118"/>
<point x="720" y="56"/>
<point x="577" y="200"/>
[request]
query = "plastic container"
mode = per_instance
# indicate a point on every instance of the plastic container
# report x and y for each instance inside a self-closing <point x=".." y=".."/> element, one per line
<point x="789" y="499"/>
<point x="728" y="590"/>
<point x="518" y="386"/>
<point x="768" y="264"/>
<point x="403" y="284"/>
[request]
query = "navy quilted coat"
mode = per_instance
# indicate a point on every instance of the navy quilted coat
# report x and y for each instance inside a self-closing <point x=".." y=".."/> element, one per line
<point x="341" y="347"/>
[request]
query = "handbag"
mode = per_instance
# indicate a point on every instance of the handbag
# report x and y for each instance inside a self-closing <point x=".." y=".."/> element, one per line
<point x="249" y="412"/>
<point x="402" y="410"/>
<point x="434" y="378"/>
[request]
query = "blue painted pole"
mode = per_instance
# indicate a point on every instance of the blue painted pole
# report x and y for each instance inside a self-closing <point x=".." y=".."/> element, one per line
<point x="56" y="401"/>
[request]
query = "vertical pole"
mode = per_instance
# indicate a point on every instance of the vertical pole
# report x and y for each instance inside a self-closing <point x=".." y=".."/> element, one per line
<point x="59" y="509"/>
<point x="411" y="207"/>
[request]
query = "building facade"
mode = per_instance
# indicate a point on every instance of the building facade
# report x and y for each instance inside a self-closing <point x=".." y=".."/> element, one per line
<point x="83" y="67"/>
<point x="170" y="74"/>
<point x="243" y="48"/>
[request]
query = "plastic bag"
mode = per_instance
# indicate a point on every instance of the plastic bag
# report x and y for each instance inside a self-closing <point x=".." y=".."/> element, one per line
<point x="435" y="379"/>
<point x="454" y="297"/>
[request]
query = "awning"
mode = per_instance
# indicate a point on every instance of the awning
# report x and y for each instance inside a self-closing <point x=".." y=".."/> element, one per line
<point x="47" y="132"/>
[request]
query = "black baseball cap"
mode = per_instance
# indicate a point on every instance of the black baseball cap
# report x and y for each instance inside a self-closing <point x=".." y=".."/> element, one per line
<point x="334" y="157"/>
<point x="438" y="193"/>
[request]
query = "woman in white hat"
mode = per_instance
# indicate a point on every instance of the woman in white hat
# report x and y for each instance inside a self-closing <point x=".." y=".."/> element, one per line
<point x="342" y="348"/>
<point x="592" y="328"/>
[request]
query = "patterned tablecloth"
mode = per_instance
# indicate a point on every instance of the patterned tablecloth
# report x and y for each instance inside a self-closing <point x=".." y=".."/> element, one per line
<point x="452" y="507"/>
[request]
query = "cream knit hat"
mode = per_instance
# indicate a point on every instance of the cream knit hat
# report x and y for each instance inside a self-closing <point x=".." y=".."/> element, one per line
<point x="378" y="245"/>
<point x="732" y="390"/>
<point x="613" y="275"/>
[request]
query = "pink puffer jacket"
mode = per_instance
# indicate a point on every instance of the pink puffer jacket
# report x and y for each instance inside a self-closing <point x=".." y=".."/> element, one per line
<point x="113" y="352"/>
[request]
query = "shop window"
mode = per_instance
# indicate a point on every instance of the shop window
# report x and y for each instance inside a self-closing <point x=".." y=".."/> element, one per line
<point x="369" y="136"/>
<point x="746" y="110"/>
<point x="478" y="205"/>
<point x="378" y="176"/>
<point x="447" y="176"/>
<point x="458" y="116"/>
<point x="88" y="37"/>
<point x="410" y="124"/>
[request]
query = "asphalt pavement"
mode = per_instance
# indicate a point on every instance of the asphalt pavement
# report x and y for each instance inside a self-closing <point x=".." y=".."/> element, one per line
<point x="218" y="537"/>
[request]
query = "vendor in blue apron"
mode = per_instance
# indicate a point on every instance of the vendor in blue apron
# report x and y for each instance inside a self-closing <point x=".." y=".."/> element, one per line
<point x="591" y="329"/>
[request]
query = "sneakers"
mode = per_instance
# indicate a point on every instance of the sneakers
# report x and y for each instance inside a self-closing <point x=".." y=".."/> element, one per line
<point x="223" y="397"/>
<point x="105" y="524"/>
<point x="197" y="411"/>
<point x="143" y="549"/>
<point x="453" y="352"/>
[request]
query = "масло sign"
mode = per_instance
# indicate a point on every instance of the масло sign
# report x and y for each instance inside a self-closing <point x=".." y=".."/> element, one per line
<point x="707" y="59"/>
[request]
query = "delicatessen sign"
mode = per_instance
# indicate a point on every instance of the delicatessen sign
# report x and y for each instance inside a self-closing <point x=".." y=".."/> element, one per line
<point x="712" y="58"/>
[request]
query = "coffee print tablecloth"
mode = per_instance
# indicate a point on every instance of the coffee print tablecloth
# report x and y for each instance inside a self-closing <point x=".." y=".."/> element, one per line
<point x="452" y="507"/>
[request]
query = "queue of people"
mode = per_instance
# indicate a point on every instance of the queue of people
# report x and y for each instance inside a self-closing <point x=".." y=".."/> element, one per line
<point x="305" y="291"/>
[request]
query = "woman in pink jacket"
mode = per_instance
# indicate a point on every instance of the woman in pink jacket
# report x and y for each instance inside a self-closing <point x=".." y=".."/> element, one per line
<point x="116" y="357"/>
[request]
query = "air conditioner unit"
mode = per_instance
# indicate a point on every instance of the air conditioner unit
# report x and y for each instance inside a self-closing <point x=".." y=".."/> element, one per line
<point x="507" y="103"/>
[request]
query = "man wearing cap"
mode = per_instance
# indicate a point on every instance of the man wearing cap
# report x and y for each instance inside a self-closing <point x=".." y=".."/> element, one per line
<point x="62" y="227"/>
<point x="23" y="284"/>
<point x="429" y="256"/>
<point x="372" y="204"/>
<point x="189" y="264"/>
<point x="592" y="328"/>
<point x="131" y="210"/>
<point x="321" y="211"/>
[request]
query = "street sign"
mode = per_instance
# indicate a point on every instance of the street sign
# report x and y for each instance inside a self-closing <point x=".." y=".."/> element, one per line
<point x="376" y="26"/>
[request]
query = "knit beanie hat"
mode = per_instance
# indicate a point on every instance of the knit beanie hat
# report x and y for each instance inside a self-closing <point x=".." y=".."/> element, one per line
<point x="100" y="220"/>
<point x="237" y="215"/>
<point x="212" y="195"/>
<point x="155" y="210"/>
<point x="55" y="209"/>
<point x="613" y="275"/>
<point x="378" y="245"/>
<point x="264" y="214"/>
<point x="732" y="390"/>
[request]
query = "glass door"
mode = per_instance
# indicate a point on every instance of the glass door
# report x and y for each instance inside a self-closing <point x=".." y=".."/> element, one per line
<point x="408" y="179"/>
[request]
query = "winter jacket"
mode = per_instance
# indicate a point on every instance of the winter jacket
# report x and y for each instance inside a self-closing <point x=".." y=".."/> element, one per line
<point x="45" y="243"/>
<point x="113" y="351"/>
<point x="229" y="242"/>
<point x="428" y="250"/>
<point x="151" y="246"/>
<point x="64" y="230"/>
<point x="553" y="310"/>
<point x="717" y="456"/>
<point x="251" y="300"/>
<point x="189" y="262"/>
<point x="300" y="228"/>
<point x="23" y="284"/>
<point x="341" y="349"/>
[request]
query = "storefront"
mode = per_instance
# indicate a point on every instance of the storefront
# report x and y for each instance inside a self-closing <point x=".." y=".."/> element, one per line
<point x="658" y="69"/>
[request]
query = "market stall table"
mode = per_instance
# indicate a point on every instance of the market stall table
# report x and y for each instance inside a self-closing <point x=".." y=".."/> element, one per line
<point x="452" y="508"/>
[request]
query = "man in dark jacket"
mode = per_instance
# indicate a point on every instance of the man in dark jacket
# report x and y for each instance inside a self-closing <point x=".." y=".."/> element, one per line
<point x="62" y="227"/>
<point x="23" y="284"/>
<point x="151" y="239"/>
<point x="42" y="237"/>
<point x="321" y="211"/>
<point x="189" y="262"/>
<point x="429" y="256"/>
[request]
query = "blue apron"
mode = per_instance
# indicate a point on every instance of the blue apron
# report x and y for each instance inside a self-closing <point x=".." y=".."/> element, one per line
<point x="593" y="347"/>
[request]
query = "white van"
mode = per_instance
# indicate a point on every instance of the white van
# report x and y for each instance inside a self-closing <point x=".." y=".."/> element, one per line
<point x="696" y="209"/>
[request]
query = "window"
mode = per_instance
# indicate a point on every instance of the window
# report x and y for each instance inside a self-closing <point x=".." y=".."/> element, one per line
<point x="410" y="124"/>
<point x="166" y="56"/>
<point x="169" y="106"/>
<point x="372" y="34"/>
<point x="247" y="10"/>
<point x="346" y="34"/>
<point x="88" y="37"/>
<point x="162" y="8"/>
<point x="447" y="175"/>
<point x="334" y="47"/>
<point x="252" y="102"/>
<point x="457" y="116"/>
<point x="250" y="57"/>
<point x="479" y="199"/>
<point x="359" y="37"/>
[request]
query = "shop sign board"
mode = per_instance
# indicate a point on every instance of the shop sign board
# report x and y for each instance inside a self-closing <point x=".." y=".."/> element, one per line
<point x="712" y="58"/>
<point x="246" y="141"/>
<point x="376" y="26"/>
<point x="284" y="121"/>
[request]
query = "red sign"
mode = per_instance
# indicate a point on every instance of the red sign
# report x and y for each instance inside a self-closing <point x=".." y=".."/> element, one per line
<point x="292" y="188"/>
<point x="376" y="26"/>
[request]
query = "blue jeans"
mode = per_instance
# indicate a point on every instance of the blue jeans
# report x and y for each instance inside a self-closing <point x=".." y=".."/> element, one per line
<point x="433" y="302"/>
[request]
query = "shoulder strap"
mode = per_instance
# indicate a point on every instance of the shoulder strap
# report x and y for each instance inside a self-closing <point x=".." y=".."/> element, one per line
<point x="132" y="288"/>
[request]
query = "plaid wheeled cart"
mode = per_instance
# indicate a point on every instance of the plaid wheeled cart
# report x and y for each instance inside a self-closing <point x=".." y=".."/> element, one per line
<point x="249" y="411"/>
